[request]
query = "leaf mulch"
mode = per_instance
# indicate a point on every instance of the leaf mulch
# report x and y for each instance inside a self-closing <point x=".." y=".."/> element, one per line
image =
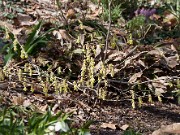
<point x="109" y="117"/>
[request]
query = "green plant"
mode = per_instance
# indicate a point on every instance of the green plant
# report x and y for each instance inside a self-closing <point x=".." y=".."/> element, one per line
<point x="34" y="42"/>
<point x="116" y="10"/>
<point x="41" y="124"/>
<point x="125" y="8"/>
<point x="9" y="9"/>
<point x="10" y="123"/>
<point x="20" y="121"/>
<point x="115" y="13"/>
<point x="36" y="39"/>
<point x="139" y="28"/>
<point x="15" y="122"/>
<point x="177" y="91"/>
<point x="130" y="132"/>
<point x="174" y="8"/>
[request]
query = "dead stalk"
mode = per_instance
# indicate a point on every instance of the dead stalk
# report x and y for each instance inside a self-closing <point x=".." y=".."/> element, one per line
<point x="108" y="33"/>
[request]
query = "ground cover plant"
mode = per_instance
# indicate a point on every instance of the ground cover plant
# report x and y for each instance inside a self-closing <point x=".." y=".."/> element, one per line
<point x="35" y="123"/>
<point x="86" y="56"/>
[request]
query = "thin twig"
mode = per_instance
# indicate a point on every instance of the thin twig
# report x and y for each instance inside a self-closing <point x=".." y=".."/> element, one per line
<point x="147" y="31"/>
<point x="148" y="81"/>
<point x="108" y="33"/>
<point x="62" y="14"/>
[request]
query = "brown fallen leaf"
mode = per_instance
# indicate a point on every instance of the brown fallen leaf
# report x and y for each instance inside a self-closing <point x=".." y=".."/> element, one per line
<point x="98" y="50"/>
<point x="115" y="55"/>
<point x="141" y="63"/>
<point x="65" y="35"/>
<point x="42" y="108"/>
<point x="173" y="48"/>
<point x="173" y="129"/>
<point x="155" y="52"/>
<point x="24" y="20"/>
<point x="4" y="85"/>
<point x="160" y="84"/>
<point x="155" y="17"/>
<point x="54" y="108"/>
<point x="109" y="125"/>
<point x="170" y="20"/>
<point x="134" y="77"/>
<point x="17" y="31"/>
<point x="27" y="103"/>
<point x="172" y="61"/>
<point x="95" y="10"/>
<point x="124" y="127"/>
<point x="88" y="28"/>
<point x="71" y="14"/>
<point x="7" y="25"/>
<point x="44" y="1"/>
<point x="57" y="34"/>
<point x="17" y="100"/>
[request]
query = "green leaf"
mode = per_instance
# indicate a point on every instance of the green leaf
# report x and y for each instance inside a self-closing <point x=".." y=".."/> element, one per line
<point x="84" y="132"/>
<point x="19" y="10"/>
<point x="36" y="41"/>
<point x="130" y="132"/>
<point x="8" y="57"/>
<point x="33" y="35"/>
<point x="87" y="124"/>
